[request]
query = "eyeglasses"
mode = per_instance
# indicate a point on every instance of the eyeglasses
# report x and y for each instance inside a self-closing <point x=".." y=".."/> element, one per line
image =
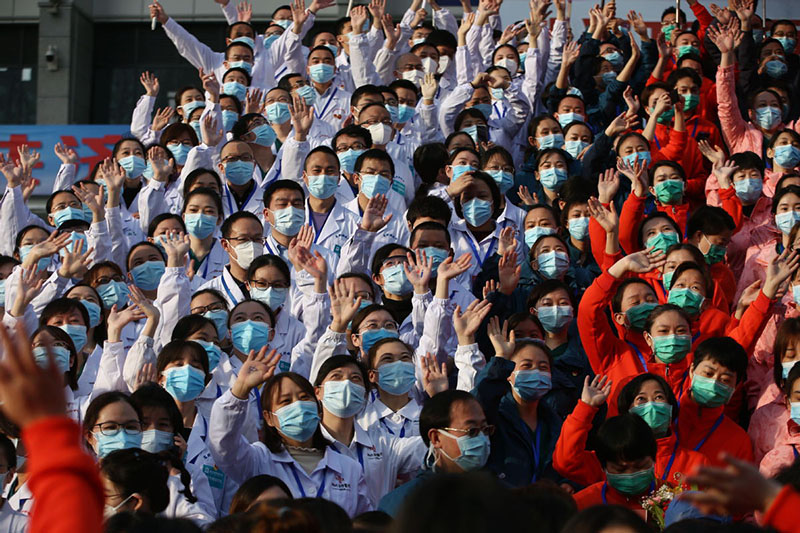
<point x="394" y="261"/>
<point x="109" y="429"/>
<point x="203" y="309"/>
<point x="354" y="146"/>
<point x="261" y="284"/>
<point x="474" y="432"/>
<point x="247" y="158"/>
<point x="390" y="325"/>
<point x="109" y="279"/>
<point x="241" y="240"/>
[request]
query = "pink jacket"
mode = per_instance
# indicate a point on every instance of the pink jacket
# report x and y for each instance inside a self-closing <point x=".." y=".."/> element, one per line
<point x="756" y="229"/>
<point x="756" y="260"/>
<point x="771" y="179"/>
<point x="786" y="450"/>
<point x="768" y="422"/>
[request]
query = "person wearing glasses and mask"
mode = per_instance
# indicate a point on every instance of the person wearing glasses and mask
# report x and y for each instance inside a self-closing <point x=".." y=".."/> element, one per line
<point x="241" y="191"/>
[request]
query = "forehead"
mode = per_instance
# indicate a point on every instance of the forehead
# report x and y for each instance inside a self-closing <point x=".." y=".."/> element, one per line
<point x="240" y="50"/>
<point x="322" y="159"/>
<point x="129" y="145"/>
<point x="321" y="54"/>
<point x="669" y="317"/>
<point x="374" y="111"/>
<point x="236" y="148"/>
<point x="376" y="163"/>
<point x="530" y="353"/>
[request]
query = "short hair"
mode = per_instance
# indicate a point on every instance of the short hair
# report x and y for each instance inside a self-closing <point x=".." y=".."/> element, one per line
<point x="651" y="172"/>
<point x="436" y="411"/>
<point x="429" y="207"/>
<point x="383" y="253"/>
<point x="603" y="517"/>
<point x="280" y="185"/>
<point x="363" y="277"/>
<point x="322" y="149"/>
<point x="376" y="154"/>
<point x="497" y="202"/>
<point x="351" y="130"/>
<point x="238" y="43"/>
<point x="179" y="94"/>
<point x="631" y="389"/>
<point x="339" y="361"/>
<point x="781" y="192"/>
<point x="429" y="225"/>
<point x="48" y="205"/>
<point x="188" y="325"/>
<point x="178" y="129"/>
<point x="680" y="73"/>
<point x="158" y="219"/>
<point x="240" y="70"/>
<point x="241" y="128"/>
<point x="227" y="226"/>
<point x="496" y="151"/>
<point x="269" y="260"/>
<point x="61" y="306"/>
<point x="195" y="174"/>
<point x="175" y="351"/>
<point x="788" y="334"/>
<point x="364" y="90"/>
<point x="429" y="160"/>
<point x="708" y="281"/>
<point x="711" y="220"/>
<point x="624" y="438"/>
<point x="154" y="395"/>
<point x="547" y="151"/>
<point x="441" y="38"/>
<point x="209" y="193"/>
<point x="249" y="491"/>
<point x="141" y="244"/>
<point x="404" y="84"/>
<point x="132" y="470"/>
<point x="616" y="301"/>
<point x="322" y="48"/>
<point x="546" y="287"/>
<point x="725" y="351"/>
<point x="681" y="17"/>
<point x="749" y="160"/>
<point x="469" y="112"/>
<point x="660" y="215"/>
<point x="264" y="306"/>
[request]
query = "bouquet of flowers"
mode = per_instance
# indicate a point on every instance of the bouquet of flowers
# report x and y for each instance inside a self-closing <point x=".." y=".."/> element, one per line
<point x="656" y="503"/>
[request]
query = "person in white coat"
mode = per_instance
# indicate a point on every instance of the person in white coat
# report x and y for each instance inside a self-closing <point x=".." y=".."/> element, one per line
<point x="202" y="215"/>
<point x="294" y="449"/>
<point x="237" y="166"/>
<point x="331" y="103"/>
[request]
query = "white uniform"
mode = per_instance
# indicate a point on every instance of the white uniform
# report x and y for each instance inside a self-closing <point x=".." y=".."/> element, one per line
<point x="332" y="106"/>
<point x="227" y="286"/>
<point x="211" y="267"/>
<point x="337" y="229"/>
<point x="463" y="242"/>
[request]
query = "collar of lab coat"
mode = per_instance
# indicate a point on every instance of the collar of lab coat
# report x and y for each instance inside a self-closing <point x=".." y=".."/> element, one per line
<point x="409" y="411"/>
<point x="334" y="221"/>
<point x="230" y="283"/>
<point x="330" y="459"/>
<point x="360" y="436"/>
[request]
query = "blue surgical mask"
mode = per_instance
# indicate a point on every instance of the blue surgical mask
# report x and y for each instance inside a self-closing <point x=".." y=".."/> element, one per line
<point x="786" y="221"/>
<point x="213" y="352"/>
<point x="787" y="367"/>
<point x="574" y="148"/>
<point x="220" y="320"/>
<point x="180" y="152"/>
<point x="278" y="113"/>
<point x="405" y="113"/>
<point x="120" y="441"/>
<point x="67" y="214"/>
<point x="395" y="280"/>
<point x="333" y="48"/>
<point x="77" y="333"/>
<point x="392" y="109"/>
<point x="155" y="440"/>
<point x="250" y="335"/>
<point x="323" y="186"/>
<point x="246" y="40"/>
<point x="200" y="225"/>
<point x="195" y="124"/>
<point x="566" y="119"/>
<point x="114" y="293"/>
<point x="2" y="291"/>
<point x="776" y="68"/>
<point x="437" y="256"/>
<point x="347" y="159"/>
<point x="787" y="156"/>
<point x="768" y="117"/>
<point x="608" y="77"/>
<point x="553" y="264"/>
<point x="60" y="357"/>
<point x="73" y="243"/>
<point x="42" y="264"/>
<point x="749" y="189"/>
<point x="579" y="228"/>
<point x="788" y="43"/>
<point x="497" y="93"/>
<point x="644" y="157"/>
<point x="554" y="318"/>
<point x="94" y="312"/>
<point x="147" y="276"/>
<point x="273" y="298"/>
<point x="191" y="106"/>
<point x="184" y="383"/>
<point x="229" y="118"/>
<point x="133" y="165"/>
<point x="553" y="140"/>
<point x="308" y="93"/>
<point x="460" y="170"/>
<point x="343" y="398"/>
<point x="533" y="234"/>
<point x="477" y="212"/>
<point x="239" y="172"/>
<point x="615" y="58"/>
<point x="504" y="180"/>
<point x="374" y="184"/>
<point x="321" y="72"/>
<point x="289" y="220"/>
<point x="531" y="385"/>
<point x="370" y="336"/>
<point x="234" y="88"/>
<point x="485" y="109"/>
<point x="794" y="412"/>
<point x="396" y="378"/>
<point x="474" y="451"/>
<point x="265" y="135"/>
<point x="244" y="65"/>
<point x="298" y="420"/>
<point x="553" y="178"/>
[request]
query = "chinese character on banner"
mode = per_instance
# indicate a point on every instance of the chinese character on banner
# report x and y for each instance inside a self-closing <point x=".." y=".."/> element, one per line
<point x="15" y="141"/>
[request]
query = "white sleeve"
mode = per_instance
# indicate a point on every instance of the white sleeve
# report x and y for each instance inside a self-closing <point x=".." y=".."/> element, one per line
<point x="408" y="17"/>
<point x="316" y="317"/>
<point x="9" y="223"/>
<point x="355" y="253"/>
<point x="293" y="158"/>
<point x="452" y="106"/>
<point x="531" y="82"/>
<point x="519" y="111"/>
<point x="429" y="115"/>
<point x="419" y="306"/>
<point x="229" y="10"/>
<point x="543" y="42"/>
<point x="361" y="66"/>
<point x="109" y="374"/>
<point x="142" y="116"/>
<point x="465" y="69"/>
<point x="375" y="40"/>
<point x="293" y="53"/>
<point x="469" y="361"/>
<point x="195" y="52"/>
<point x="116" y="230"/>
<point x="215" y="111"/>
<point x="201" y="156"/>
<point x="65" y="178"/>
<point x="99" y="238"/>
<point x="444" y="20"/>
<point x="139" y="355"/>
<point x="330" y="344"/>
<point x="473" y="40"/>
<point x="29" y="320"/>
<point x="486" y="46"/>
<point x="230" y="450"/>
<point x="384" y="65"/>
<point x="151" y="202"/>
<point x="437" y="326"/>
<point x="53" y="287"/>
<point x="174" y="295"/>
<point x="556" y="50"/>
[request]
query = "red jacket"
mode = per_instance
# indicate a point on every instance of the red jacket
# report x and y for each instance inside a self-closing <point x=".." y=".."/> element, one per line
<point x="572" y="460"/>
<point x="708" y="431"/>
<point x="782" y="514"/>
<point x="64" y="480"/>
<point x="602" y="494"/>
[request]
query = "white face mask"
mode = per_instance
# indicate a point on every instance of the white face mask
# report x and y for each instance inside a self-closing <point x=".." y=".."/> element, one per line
<point x="109" y="511"/>
<point x="429" y="65"/>
<point x="444" y="62"/>
<point x="381" y="133"/>
<point x="246" y="252"/>
<point x="509" y="64"/>
<point x="414" y="76"/>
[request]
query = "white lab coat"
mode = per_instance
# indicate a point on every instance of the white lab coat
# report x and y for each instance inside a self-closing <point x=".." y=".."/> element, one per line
<point x="336" y="478"/>
<point x="332" y="106"/>
<point x="12" y="521"/>
<point x="179" y="507"/>
<point x="226" y="285"/>
<point x="395" y="232"/>
<point x="320" y="133"/>
<point x="340" y="225"/>
<point x="254" y="202"/>
<point x="289" y="332"/>
<point x="211" y="267"/>
<point x="463" y="242"/>
<point x="401" y="424"/>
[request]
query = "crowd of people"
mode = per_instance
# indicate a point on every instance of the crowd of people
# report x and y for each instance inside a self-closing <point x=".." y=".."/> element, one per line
<point x="431" y="275"/>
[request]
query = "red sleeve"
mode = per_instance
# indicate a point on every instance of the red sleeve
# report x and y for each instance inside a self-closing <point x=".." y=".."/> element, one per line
<point x="732" y="205"/>
<point x="704" y="18"/>
<point x="63" y="479"/>
<point x="601" y="345"/>
<point x="597" y="240"/>
<point x="782" y="514"/>
<point x="675" y="148"/>
<point x="752" y="323"/>
<point x="629" y="220"/>
<point x="651" y="80"/>
<point x="609" y="260"/>
<point x="571" y="459"/>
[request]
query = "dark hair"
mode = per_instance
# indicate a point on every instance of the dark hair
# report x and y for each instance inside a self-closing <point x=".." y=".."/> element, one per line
<point x="365" y="90"/>
<point x="536" y="343"/>
<point x="795" y="136"/>
<point x="61" y="306"/>
<point x="404" y="84"/>
<point x="227" y="226"/>
<point x="376" y="154"/>
<point x="469" y="112"/>
<point x="280" y="185"/>
<point x="496" y="151"/>
<point x="616" y="301"/>
<point x="249" y="491"/>
<point x="751" y="161"/>
<point x="188" y="325"/>
<point x="9" y="451"/>
<point x="624" y="438"/>
<point x="660" y="310"/>
<point x="428" y="207"/>
<point x="269" y="260"/>
<point x="783" y="191"/>
<point x="238" y="43"/>
<point x="362" y="314"/>
<point x="48" y="205"/>
<point x="175" y="351"/>
<point x="138" y="245"/>
<point x="92" y="276"/>
<point x="339" y="361"/>
<point x="158" y="219"/>
<point x="373" y="351"/>
<point x="441" y="38"/>
<point x="7" y="259"/>
<point x="455" y="134"/>
<point x="62" y="336"/>
<point x="701" y="268"/>
<point x="383" y="253"/>
<point x="429" y="160"/>
<point x="213" y="292"/>
<point x="725" y="351"/>
<point x="631" y="389"/>
<point x="351" y="130"/>
<point x="788" y="334"/>
<point x="497" y="209"/>
<point x="118" y="146"/>
<point x="178" y="129"/>
<point x="428" y="225"/>
<point x="546" y="287"/>
<point x="179" y="95"/>
<point x="209" y="193"/>
<point x="272" y="437"/>
<point x="794" y="375"/>
<point x="711" y="220"/>
<point x="680" y="73"/>
<point x="602" y="517"/>
<point x="136" y="471"/>
<point x="323" y="149"/>
<point x="101" y="402"/>
<point x="241" y="128"/>
<point x="24" y="231"/>
<point x="436" y="411"/>
<point x="654" y="216"/>
<point x="195" y="174"/>
<point x="363" y="277"/>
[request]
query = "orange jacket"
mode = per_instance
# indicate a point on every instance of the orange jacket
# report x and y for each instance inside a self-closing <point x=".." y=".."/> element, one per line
<point x="572" y="460"/>
<point x="64" y="480"/>
<point x="707" y="430"/>
<point x="602" y="494"/>
<point x="714" y="323"/>
<point x="782" y="514"/>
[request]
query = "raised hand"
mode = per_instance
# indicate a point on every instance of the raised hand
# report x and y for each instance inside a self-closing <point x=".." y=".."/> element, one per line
<point x="506" y="242"/>
<point x="392" y="31"/>
<point x="12" y="172"/>
<point x="299" y="15"/>
<point x="631" y="100"/>
<point x="150" y="83"/>
<point x="723" y="170"/>
<point x="622" y="122"/>
<point x="302" y="117"/>
<point x="723" y="38"/>
<point x="157" y="12"/>
<point x="161" y="118"/>
<point x="373" y="219"/>
<point x="67" y="155"/>
<point x="28" y="288"/>
<point x="467" y="323"/>
<point x="526" y="196"/>
<point x="508" y="272"/>
<point x="434" y="376"/>
<point x="607" y="186"/>
<point x="571" y="53"/>
<point x="449" y="269"/>
<point x="177" y="247"/>
<point x="162" y="162"/>
<point x="605" y="216"/>
<point x="344" y="305"/>
<point x="428" y="85"/>
<point x="638" y="25"/>
<point x="147" y="307"/>
<point x="94" y="201"/>
<point x="596" y="391"/>
<point x="377" y="8"/>
<point x="254" y="101"/>
<point x="502" y="339"/>
<point x="257" y="368"/>
<point x="212" y="135"/>
<point x="118" y="319"/>
<point x="779" y="270"/>
<point x="301" y="241"/>
<point x="210" y="84"/>
<point x="114" y="176"/>
<point x="75" y="263"/>
<point x="715" y="154"/>
<point x="418" y="270"/>
<point x="358" y="16"/>
<point x="146" y="374"/>
<point x="645" y="261"/>
<point x="316" y="266"/>
<point x="664" y="47"/>
<point x="27" y="159"/>
<point x="636" y="174"/>
<point x="316" y="5"/>
<point x="244" y="12"/>
<point x="49" y="246"/>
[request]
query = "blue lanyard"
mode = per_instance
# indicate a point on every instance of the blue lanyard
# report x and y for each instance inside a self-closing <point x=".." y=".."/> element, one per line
<point x="207" y="261"/>
<point x="536" y="450"/>
<point x="713" y="429"/>
<point x="229" y="195"/>
<point x="605" y="488"/>
<point x="227" y="290"/>
<point x="203" y="438"/>
<point x="300" y="485"/>
<point x="402" y="428"/>
<point x="683" y="382"/>
<point x="476" y="251"/>
<point x="324" y="109"/>
<point x="359" y="451"/>
<point x="638" y="354"/>
<point x="794" y="449"/>
<point x="671" y="460"/>
<point x="694" y="131"/>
